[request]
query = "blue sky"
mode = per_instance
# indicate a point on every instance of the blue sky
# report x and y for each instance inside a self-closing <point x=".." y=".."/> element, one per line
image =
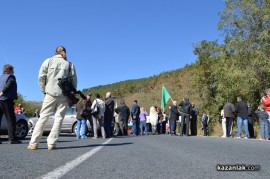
<point x="107" y="40"/>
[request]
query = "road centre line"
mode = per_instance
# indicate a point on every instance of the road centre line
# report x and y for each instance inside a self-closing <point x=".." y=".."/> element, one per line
<point x="62" y="170"/>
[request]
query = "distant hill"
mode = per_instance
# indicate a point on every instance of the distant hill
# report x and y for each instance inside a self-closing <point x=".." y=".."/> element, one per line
<point x="148" y="90"/>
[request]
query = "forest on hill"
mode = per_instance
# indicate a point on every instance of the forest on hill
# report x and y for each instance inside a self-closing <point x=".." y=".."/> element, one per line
<point x="239" y="66"/>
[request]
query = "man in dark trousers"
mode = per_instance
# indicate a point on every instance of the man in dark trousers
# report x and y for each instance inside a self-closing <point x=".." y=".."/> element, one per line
<point x="8" y="93"/>
<point x="241" y="109"/>
<point x="135" y="113"/>
<point x="229" y="115"/>
<point x="123" y="117"/>
<point x="185" y="109"/>
<point x="174" y="116"/>
<point x="89" y="116"/>
<point x="250" y="121"/>
<point x="108" y="116"/>
<point x="193" y="121"/>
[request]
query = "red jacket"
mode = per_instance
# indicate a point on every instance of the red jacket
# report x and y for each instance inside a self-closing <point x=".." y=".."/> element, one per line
<point x="266" y="101"/>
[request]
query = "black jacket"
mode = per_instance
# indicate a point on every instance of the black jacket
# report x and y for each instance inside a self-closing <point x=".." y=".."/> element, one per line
<point x="88" y="106"/>
<point x="123" y="112"/>
<point x="242" y="109"/>
<point x="135" y="111"/>
<point x="174" y="113"/>
<point x="185" y="107"/>
<point x="109" y="111"/>
<point x="194" y="112"/>
<point x="250" y="115"/>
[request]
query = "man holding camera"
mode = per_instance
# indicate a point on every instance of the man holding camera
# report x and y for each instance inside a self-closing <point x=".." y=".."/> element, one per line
<point x="51" y="71"/>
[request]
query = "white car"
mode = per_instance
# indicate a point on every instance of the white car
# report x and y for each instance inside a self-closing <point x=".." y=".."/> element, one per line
<point x="22" y="126"/>
<point x="69" y="124"/>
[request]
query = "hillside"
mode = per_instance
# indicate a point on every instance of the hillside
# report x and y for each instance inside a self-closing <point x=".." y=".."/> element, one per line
<point x="147" y="90"/>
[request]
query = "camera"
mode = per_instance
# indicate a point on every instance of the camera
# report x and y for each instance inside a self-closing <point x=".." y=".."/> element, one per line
<point x="68" y="90"/>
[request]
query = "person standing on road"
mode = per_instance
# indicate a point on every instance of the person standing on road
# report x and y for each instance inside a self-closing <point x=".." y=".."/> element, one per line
<point x="229" y="115"/>
<point x="8" y="93"/>
<point x="250" y="121"/>
<point x="174" y="116"/>
<point x="160" y="119"/>
<point x="153" y="117"/>
<point x="168" y="116"/>
<point x="89" y="115"/>
<point x="100" y="117"/>
<point x="135" y="113"/>
<point x="108" y="117"/>
<point x="123" y="115"/>
<point x="143" y="121"/>
<point x="205" y="121"/>
<point x="51" y="70"/>
<point x="185" y="109"/>
<point x="266" y="101"/>
<point x="223" y="123"/>
<point x="193" y="121"/>
<point x="263" y="121"/>
<point x="81" y="118"/>
<point x="241" y="109"/>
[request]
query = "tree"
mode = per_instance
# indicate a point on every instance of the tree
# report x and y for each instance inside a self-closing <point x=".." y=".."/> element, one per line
<point x="246" y="25"/>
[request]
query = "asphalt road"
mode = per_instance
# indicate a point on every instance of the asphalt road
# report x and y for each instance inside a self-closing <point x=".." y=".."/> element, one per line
<point x="159" y="156"/>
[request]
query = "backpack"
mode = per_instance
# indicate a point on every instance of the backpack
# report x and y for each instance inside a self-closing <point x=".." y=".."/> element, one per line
<point x="95" y="110"/>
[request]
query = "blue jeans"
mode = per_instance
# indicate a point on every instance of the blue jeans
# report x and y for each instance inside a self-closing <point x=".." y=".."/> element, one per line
<point x="143" y="126"/>
<point x="172" y="126"/>
<point x="205" y="129"/>
<point x="264" y="129"/>
<point x="135" y="127"/>
<point x="239" y="126"/>
<point x="268" y="124"/>
<point x="81" y="126"/>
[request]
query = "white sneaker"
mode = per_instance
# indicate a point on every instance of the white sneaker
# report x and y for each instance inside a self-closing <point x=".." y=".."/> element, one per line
<point x="238" y="137"/>
<point x="223" y="136"/>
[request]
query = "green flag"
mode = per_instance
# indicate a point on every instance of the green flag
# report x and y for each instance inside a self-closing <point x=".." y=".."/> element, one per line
<point x="165" y="97"/>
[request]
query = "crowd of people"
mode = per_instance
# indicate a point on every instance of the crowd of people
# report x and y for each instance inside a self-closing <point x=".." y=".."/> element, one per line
<point x="244" y="115"/>
<point x="185" y="113"/>
<point x="102" y="114"/>
<point x="115" y="120"/>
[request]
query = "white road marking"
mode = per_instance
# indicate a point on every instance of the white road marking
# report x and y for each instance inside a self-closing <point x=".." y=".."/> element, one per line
<point x="62" y="170"/>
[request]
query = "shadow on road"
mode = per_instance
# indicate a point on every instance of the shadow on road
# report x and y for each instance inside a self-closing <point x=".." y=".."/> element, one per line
<point x="93" y="145"/>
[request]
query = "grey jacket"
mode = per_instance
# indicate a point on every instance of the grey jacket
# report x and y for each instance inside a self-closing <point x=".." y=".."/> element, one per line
<point x="52" y="69"/>
<point x="229" y="110"/>
<point x="101" y="105"/>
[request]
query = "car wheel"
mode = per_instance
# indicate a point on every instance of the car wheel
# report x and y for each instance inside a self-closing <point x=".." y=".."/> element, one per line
<point x="21" y="129"/>
<point x="74" y="128"/>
